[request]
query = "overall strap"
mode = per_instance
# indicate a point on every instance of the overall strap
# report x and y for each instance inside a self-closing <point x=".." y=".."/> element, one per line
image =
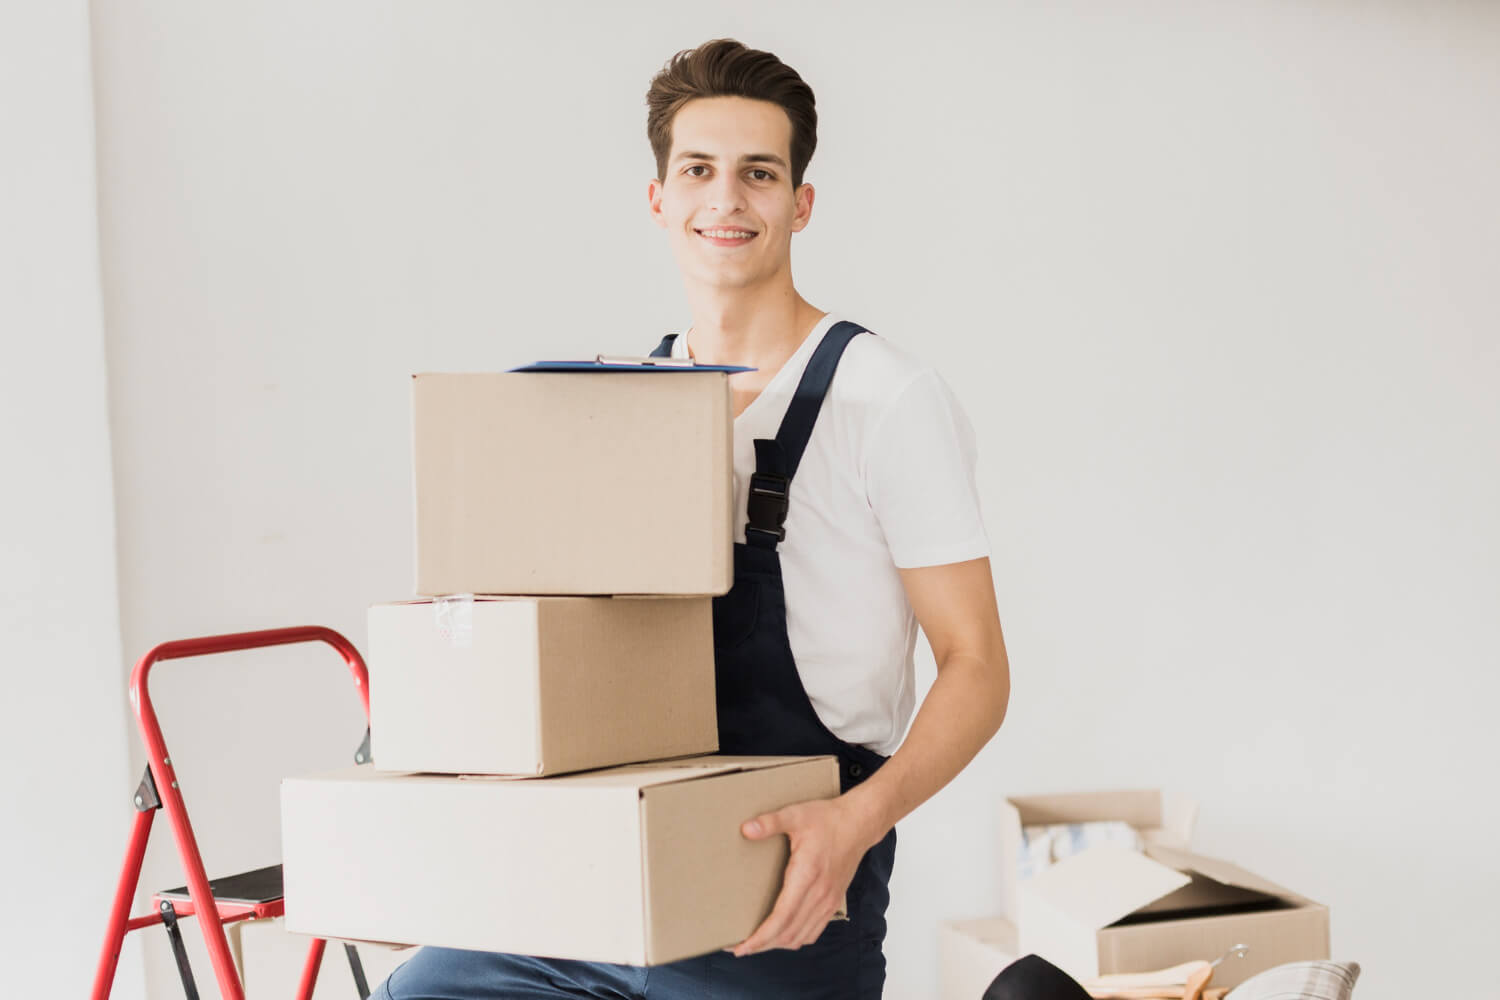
<point x="776" y="460"/>
<point x="664" y="349"/>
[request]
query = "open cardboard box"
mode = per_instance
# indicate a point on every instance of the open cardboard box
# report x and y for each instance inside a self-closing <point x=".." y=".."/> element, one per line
<point x="1115" y="910"/>
<point x="642" y="864"/>
<point x="1160" y="819"/>
<point x="972" y="952"/>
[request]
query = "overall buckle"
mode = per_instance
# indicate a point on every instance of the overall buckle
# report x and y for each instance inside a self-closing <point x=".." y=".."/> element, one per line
<point x="768" y="505"/>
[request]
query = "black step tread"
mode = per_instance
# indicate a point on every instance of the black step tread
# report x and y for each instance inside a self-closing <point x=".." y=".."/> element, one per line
<point x="263" y="885"/>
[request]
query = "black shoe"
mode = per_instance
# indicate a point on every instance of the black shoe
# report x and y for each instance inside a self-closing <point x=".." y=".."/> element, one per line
<point x="1034" y="978"/>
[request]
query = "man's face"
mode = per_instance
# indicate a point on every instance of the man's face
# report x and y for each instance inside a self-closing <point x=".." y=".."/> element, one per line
<point x="726" y="200"/>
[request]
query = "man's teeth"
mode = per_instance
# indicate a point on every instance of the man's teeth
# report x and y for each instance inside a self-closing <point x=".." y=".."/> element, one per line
<point x="726" y="234"/>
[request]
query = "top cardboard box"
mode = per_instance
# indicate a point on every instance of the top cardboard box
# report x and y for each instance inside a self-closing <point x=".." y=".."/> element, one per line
<point x="578" y="483"/>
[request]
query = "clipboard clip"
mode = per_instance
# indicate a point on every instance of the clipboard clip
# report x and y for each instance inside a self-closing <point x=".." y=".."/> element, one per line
<point x="615" y="359"/>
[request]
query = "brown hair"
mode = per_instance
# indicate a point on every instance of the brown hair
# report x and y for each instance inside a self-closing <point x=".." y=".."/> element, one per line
<point x="726" y="68"/>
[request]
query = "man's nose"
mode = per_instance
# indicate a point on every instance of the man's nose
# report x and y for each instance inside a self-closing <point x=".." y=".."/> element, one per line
<point x="727" y="194"/>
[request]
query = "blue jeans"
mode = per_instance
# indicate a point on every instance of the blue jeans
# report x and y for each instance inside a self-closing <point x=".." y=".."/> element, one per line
<point x="815" y="971"/>
<point x="845" y="963"/>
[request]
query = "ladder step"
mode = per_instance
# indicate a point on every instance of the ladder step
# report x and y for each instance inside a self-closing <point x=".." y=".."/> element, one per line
<point x="252" y="888"/>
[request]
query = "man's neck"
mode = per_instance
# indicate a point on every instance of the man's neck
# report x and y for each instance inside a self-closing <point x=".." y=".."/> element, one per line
<point x="753" y="327"/>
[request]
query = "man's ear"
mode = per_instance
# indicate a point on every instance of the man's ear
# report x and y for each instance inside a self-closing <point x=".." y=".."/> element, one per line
<point x="653" y="195"/>
<point x="803" y="197"/>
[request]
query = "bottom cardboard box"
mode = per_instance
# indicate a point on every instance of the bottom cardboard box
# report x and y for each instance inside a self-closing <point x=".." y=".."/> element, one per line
<point x="642" y="864"/>
<point x="971" y="954"/>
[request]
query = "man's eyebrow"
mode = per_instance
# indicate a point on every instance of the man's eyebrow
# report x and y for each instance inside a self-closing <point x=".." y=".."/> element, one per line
<point x="692" y="154"/>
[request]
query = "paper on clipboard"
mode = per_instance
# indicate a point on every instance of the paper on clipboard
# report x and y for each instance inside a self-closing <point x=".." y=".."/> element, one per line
<point x="620" y="363"/>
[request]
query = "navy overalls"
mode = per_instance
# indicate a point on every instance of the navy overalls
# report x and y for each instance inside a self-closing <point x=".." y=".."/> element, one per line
<point x="763" y="709"/>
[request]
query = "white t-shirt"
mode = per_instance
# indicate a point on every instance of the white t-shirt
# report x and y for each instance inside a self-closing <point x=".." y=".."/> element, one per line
<point x="887" y="481"/>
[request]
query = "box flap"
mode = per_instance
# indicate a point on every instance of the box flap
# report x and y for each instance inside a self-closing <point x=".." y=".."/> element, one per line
<point x="651" y="773"/>
<point x="1179" y="816"/>
<point x="1103" y="884"/>
<point x="1141" y="808"/>
<point x="691" y="768"/>
<point x="1218" y="870"/>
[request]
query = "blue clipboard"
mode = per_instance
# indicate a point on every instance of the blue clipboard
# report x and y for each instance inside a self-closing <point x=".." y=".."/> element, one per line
<point x="607" y="363"/>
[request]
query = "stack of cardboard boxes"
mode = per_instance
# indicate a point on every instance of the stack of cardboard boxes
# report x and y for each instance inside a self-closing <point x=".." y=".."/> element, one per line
<point x="1112" y="909"/>
<point x="543" y="720"/>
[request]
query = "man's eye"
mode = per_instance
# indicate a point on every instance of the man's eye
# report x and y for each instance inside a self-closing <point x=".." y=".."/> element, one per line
<point x="696" y="166"/>
<point x="763" y="175"/>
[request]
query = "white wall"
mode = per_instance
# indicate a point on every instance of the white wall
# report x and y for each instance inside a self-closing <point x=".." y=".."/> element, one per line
<point x="1211" y="280"/>
<point x="67" y="805"/>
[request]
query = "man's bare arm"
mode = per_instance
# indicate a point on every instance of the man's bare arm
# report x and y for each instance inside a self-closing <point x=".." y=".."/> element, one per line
<point x="955" y="605"/>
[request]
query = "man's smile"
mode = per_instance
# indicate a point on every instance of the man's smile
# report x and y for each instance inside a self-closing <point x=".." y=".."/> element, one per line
<point x="727" y="236"/>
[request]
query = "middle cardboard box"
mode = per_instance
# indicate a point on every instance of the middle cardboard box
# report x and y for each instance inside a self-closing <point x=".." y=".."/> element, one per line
<point x="540" y="685"/>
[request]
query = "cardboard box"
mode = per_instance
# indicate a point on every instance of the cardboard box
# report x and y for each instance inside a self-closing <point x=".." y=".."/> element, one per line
<point x="533" y="686"/>
<point x="1079" y="914"/>
<point x="642" y="864"/>
<point x="1160" y="819"/>
<point x="971" y="954"/>
<point x="574" y="483"/>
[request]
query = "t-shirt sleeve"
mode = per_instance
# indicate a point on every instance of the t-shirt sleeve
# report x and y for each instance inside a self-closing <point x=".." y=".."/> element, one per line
<point x="920" y="476"/>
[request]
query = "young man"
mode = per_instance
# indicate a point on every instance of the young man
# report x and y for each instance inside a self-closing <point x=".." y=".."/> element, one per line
<point x="860" y="521"/>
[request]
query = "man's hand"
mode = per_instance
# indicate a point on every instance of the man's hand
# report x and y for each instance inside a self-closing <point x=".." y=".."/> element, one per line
<point x="955" y="605"/>
<point x="828" y="837"/>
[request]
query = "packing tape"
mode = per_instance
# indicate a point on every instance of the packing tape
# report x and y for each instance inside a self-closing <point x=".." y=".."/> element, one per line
<point x="453" y="616"/>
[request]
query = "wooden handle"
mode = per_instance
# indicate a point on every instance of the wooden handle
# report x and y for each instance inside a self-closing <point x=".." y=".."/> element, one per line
<point x="1193" y="988"/>
<point x="1156" y="993"/>
<point x="1177" y="975"/>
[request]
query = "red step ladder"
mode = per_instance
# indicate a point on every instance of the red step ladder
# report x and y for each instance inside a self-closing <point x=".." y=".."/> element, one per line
<point x="250" y="895"/>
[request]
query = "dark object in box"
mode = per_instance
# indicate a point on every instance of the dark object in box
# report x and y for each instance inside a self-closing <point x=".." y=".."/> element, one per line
<point x="1203" y="897"/>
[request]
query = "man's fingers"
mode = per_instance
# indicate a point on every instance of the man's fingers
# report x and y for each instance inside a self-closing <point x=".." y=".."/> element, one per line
<point x="793" y="891"/>
<point x="815" y="919"/>
<point x="765" y="825"/>
<point x="761" y="939"/>
<point x="809" y="905"/>
<point x="804" y="928"/>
